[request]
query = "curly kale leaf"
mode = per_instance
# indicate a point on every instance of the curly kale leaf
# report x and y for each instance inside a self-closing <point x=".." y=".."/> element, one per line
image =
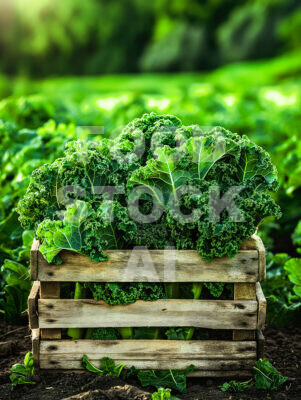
<point x="81" y="175"/>
<point x="125" y="293"/>
<point x="85" y="230"/>
<point x="255" y="166"/>
<point x="177" y="333"/>
<point x="141" y="137"/>
<point x="205" y="151"/>
<point x="164" y="172"/>
<point x="215" y="288"/>
<point x="105" y="334"/>
<point x="66" y="234"/>
<point x="266" y="375"/>
<point x="174" y="379"/>
<point x="235" y="387"/>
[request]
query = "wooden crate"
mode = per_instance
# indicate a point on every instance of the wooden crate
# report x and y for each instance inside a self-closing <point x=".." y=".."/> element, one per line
<point x="245" y="315"/>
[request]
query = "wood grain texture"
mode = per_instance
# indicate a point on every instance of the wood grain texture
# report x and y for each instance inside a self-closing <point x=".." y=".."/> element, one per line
<point x="33" y="306"/>
<point x="262" y="306"/>
<point x="244" y="291"/>
<point x="34" y="251"/>
<point x="123" y="266"/>
<point x="35" y="336"/>
<point x="63" y="361"/>
<point x="49" y="290"/>
<point x="212" y="314"/>
<point x="261" y="258"/>
<point x="148" y="349"/>
<point x="195" y="373"/>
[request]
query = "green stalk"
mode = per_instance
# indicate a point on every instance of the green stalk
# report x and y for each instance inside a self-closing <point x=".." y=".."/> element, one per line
<point x="197" y="291"/>
<point x="88" y="334"/>
<point x="172" y="290"/>
<point x="126" y="333"/>
<point x="80" y="293"/>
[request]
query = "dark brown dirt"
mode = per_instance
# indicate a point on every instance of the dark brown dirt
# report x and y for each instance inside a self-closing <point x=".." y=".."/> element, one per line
<point x="283" y="348"/>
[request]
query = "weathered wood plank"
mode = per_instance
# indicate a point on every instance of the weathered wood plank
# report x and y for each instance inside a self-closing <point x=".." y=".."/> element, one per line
<point x="221" y="374"/>
<point x="212" y="314"/>
<point x="124" y="266"/>
<point x="195" y="373"/>
<point x="50" y="290"/>
<point x="35" y="336"/>
<point x="262" y="306"/>
<point x="64" y="361"/>
<point x="34" y="251"/>
<point x="33" y="306"/>
<point x="261" y="258"/>
<point x="244" y="291"/>
<point x="148" y="349"/>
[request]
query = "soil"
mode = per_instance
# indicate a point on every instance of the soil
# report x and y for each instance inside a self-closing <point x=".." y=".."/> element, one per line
<point x="283" y="348"/>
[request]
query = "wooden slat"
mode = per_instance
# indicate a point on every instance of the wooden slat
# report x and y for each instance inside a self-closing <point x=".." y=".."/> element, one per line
<point x="212" y="314"/>
<point x="34" y="260"/>
<point x="261" y="258"/>
<point x="189" y="267"/>
<point x="148" y="349"/>
<point x="195" y="373"/>
<point x="33" y="306"/>
<point x="244" y="291"/>
<point x="63" y="361"/>
<point x="260" y="344"/>
<point x="242" y="373"/>
<point x="49" y="290"/>
<point x="262" y="306"/>
<point x="35" y="335"/>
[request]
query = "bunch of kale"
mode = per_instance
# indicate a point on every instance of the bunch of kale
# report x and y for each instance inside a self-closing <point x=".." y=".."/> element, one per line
<point x="172" y="184"/>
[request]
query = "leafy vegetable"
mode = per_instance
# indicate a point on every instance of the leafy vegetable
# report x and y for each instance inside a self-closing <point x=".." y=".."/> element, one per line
<point x="283" y="303"/>
<point x="163" y="394"/>
<point x="23" y="373"/>
<point x="66" y="234"/>
<point x="107" y="364"/>
<point x="293" y="267"/>
<point x="175" y="379"/>
<point x="125" y="293"/>
<point x="234" y="386"/>
<point x="67" y="205"/>
<point x="15" y="287"/>
<point x="267" y="376"/>
<point x="104" y="334"/>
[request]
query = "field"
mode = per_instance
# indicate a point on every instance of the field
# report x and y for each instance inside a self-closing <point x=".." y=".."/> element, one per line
<point x="260" y="99"/>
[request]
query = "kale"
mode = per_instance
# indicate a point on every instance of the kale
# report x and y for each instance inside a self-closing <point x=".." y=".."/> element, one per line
<point x="105" y="334"/>
<point x="267" y="376"/>
<point x="125" y="293"/>
<point x="175" y="379"/>
<point x="234" y="386"/>
<point x="67" y="206"/>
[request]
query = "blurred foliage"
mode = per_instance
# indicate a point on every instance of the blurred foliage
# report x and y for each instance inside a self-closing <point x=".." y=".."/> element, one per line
<point x="96" y="36"/>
